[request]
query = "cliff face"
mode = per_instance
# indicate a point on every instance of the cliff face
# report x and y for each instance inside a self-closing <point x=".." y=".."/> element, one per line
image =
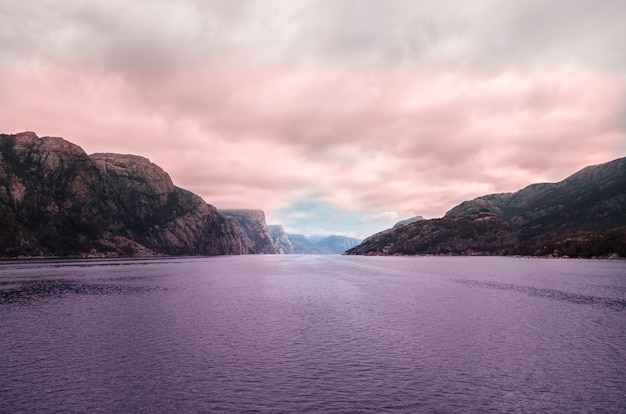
<point x="255" y="236"/>
<point x="581" y="216"/>
<point x="160" y="215"/>
<point x="56" y="200"/>
<point x="281" y="240"/>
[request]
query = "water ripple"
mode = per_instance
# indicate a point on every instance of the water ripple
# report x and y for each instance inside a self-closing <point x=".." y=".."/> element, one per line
<point x="612" y="303"/>
<point x="23" y="291"/>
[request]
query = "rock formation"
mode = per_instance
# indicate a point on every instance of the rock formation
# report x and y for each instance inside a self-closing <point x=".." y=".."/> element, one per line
<point x="281" y="240"/>
<point x="55" y="200"/>
<point x="253" y="229"/>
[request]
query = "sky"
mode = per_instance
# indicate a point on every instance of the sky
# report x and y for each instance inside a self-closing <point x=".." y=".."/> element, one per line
<point x="332" y="116"/>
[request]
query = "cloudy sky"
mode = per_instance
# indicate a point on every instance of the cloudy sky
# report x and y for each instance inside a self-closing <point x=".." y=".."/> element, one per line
<point x="333" y="116"/>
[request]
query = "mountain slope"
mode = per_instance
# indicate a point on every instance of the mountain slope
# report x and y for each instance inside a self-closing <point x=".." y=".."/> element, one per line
<point x="594" y="189"/>
<point x="55" y="200"/>
<point x="582" y="216"/>
<point x="481" y="233"/>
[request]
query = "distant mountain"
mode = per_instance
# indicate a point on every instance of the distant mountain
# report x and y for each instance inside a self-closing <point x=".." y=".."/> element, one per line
<point x="303" y="245"/>
<point x="581" y="216"/>
<point x="408" y="221"/>
<point x="55" y="200"/>
<point x="325" y="245"/>
<point x="337" y="244"/>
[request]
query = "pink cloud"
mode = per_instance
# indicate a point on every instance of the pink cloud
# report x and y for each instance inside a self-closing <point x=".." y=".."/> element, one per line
<point x="409" y="140"/>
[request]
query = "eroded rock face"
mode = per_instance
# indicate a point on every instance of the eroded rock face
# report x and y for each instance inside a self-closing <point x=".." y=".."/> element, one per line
<point x="56" y="200"/>
<point x="254" y="233"/>
<point x="281" y="240"/>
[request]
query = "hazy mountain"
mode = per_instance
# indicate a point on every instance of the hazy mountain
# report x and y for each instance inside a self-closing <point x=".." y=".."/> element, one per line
<point x="408" y="221"/>
<point x="337" y="244"/>
<point x="325" y="245"/>
<point x="582" y="216"/>
<point x="303" y="245"/>
<point x="55" y="200"/>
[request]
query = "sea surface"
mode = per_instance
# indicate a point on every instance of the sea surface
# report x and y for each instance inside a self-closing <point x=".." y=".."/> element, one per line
<point x="313" y="334"/>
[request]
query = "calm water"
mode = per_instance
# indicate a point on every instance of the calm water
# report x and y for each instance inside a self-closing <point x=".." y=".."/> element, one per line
<point x="313" y="334"/>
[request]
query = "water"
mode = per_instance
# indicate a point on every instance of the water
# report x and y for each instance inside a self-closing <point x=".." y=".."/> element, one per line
<point x="286" y="334"/>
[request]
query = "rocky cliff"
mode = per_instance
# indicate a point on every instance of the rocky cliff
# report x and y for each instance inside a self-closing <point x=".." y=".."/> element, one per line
<point x="281" y="240"/>
<point x="581" y="216"/>
<point x="253" y="229"/>
<point x="55" y="200"/>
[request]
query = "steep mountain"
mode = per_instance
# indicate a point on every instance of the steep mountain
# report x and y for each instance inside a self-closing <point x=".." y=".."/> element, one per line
<point x="325" y="245"/>
<point x="55" y="200"/>
<point x="281" y="240"/>
<point x="408" y="221"/>
<point x="253" y="229"/>
<point x="581" y="216"/>
<point x="161" y="216"/>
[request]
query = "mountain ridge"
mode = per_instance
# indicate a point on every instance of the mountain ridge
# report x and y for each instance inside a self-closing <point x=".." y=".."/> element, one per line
<point x="583" y="215"/>
<point x="55" y="200"/>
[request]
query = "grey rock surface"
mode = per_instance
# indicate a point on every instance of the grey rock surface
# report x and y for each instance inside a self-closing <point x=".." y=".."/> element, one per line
<point x="253" y="229"/>
<point x="281" y="240"/>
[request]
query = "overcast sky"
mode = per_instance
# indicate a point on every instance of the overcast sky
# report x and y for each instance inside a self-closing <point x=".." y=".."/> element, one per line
<point x="333" y="116"/>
